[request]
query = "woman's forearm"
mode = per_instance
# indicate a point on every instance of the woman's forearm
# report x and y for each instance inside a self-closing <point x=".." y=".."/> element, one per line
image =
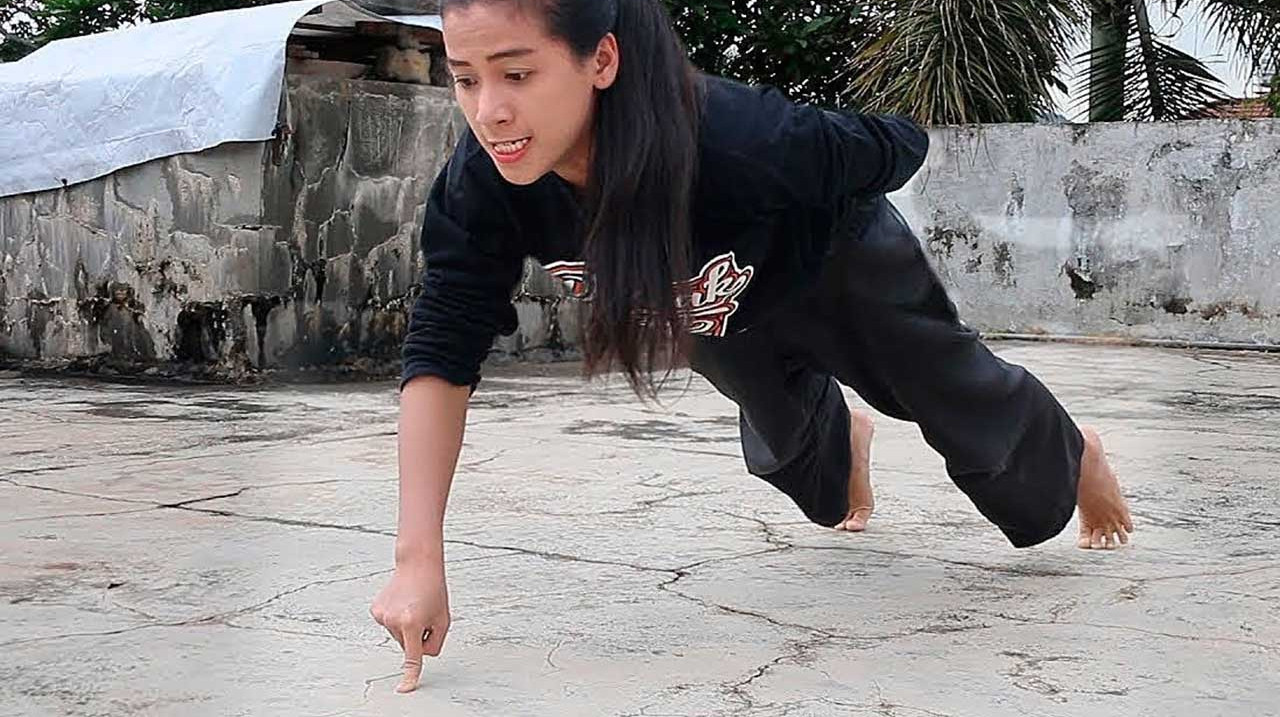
<point x="433" y="414"/>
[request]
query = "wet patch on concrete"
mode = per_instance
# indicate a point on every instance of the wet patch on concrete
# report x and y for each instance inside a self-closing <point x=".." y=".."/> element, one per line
<point x="1218" y="402"/>
<point x="695" y="431"/>
<point x="198" y="409"/>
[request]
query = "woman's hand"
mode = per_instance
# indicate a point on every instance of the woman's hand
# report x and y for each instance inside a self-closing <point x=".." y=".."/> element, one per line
<point x="414" y="607"/>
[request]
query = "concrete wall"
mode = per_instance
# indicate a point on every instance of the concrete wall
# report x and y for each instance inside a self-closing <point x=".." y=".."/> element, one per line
<point x="1143" y="231"/>
<point x="302" y="253"/>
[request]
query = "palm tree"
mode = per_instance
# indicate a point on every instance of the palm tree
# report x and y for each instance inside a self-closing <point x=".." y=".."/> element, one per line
<point x="958" y="61"/>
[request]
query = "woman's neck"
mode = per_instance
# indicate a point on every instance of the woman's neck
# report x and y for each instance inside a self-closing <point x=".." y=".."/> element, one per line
<point x="575" y="170"/>
<point x="575" y="166"/>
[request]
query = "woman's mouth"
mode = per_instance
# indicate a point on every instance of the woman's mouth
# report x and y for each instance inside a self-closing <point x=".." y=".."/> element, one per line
<point x="508" y="152"/>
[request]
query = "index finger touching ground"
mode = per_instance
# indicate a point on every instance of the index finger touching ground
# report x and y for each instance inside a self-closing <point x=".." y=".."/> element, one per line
<point x="411" y="638"/>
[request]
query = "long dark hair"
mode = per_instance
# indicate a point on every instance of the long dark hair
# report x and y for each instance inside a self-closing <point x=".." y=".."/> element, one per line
<point x="638" y="244"/>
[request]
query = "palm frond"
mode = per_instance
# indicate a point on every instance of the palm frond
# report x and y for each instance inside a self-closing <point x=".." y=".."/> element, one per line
<point x="1251" y="27"/>
<point x="1185" y="87"/>
<point x="963" y="61"/>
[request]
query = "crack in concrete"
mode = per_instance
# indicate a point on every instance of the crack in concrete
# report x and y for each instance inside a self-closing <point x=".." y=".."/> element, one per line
<point x="60" y="516"/>
<point x="106" y="633"/>
<point x="649" y="503"/>
<point x="1024" y="677"/>
<point x="1129" y="628"/>
<point x="884" y="707"/>
<point x="76" y="494"/>
<point x="725" y="558"/>
<point x="640" y="506"/>
<point x="186" y="503"/>
<point x="141" y="613"/>
<point x="1260" y="598"/>
<point x="1002" y="569"/>
<point x="550" y="655"/>
<point x="238" y="449"/>
<point x="43" y="469"/>
<point x="364" y="698"/>
<point x="214" y="619"/>
<point x="563" y="557"/>
<point x="476" y="464"/>
<point x="296" y="523"/>
<point x="738" y="690"/>
<point x="295" y="633"/>
<point x="218" y="617"/>
<point x="1202" y="516"/>
<point x="368" y="684"/>
<point x="1210" y="574"/>
<point x="712" y="605"/>
<point x="771" y="536"/>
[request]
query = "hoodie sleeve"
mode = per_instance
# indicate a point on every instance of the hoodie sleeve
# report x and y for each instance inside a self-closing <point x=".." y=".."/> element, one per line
<point x="469" y="244"/>
<point x="833" y="155"/>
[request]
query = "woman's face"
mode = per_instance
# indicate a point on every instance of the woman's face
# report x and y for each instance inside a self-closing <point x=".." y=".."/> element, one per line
<point x="528" y="100"/>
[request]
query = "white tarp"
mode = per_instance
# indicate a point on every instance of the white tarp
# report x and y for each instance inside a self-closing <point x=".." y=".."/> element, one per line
<point x="432" y="21"/>
<point x="82" y="108"/>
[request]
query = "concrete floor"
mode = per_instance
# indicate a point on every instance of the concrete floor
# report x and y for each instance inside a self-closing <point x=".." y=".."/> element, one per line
<point x="212" y="551"/>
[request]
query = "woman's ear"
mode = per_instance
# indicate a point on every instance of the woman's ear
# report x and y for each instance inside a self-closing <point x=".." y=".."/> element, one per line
<point x="606" y="62"/>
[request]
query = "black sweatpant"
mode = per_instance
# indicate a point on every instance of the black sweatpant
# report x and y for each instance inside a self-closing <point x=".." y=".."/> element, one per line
<point x="879" y="321"/>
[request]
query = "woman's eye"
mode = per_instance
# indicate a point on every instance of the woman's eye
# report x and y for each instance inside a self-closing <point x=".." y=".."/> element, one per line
<point x="517" y="76"/>
<point x="464" y="82"/>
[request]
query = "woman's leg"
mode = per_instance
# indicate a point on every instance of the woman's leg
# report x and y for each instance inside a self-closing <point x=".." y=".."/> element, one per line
<point x="793" y="420"/>
<point x="884" y="325"/>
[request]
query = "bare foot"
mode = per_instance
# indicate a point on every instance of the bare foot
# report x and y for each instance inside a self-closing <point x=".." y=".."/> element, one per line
<point x="1104" y="516"/>
<point x="861" y="501"/>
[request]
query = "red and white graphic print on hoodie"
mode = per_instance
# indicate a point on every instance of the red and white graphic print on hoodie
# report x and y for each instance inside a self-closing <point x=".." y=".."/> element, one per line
<point x="713" y="293"/>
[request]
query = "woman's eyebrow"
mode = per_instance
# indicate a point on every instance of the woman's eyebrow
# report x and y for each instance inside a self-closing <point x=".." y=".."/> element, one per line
<point x="502" y="55"/>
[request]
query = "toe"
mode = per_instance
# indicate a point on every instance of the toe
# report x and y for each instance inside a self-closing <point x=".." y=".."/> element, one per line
<point x="1083" y="540"/>
<point x="856" y="521"/>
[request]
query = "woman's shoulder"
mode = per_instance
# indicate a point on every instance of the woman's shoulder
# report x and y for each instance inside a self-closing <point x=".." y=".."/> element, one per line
<point x="743" y="141"/>
<point x="738" y="118"/>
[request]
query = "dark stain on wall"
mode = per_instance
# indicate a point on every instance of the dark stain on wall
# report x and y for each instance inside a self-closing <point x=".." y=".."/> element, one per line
<point x="1082" y="285"/>
<point x="39" y="314"/>
<point x="201" y="332"/>
<point x="1094" y="195"/>
<point x="1003" y="264"/>
<point x="1017" y="198"/>
<point x="1177" y="305"/>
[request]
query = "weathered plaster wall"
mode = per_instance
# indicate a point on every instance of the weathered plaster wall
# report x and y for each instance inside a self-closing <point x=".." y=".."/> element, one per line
<point x="296" y="253"/>
<point x="1147" y="231"/>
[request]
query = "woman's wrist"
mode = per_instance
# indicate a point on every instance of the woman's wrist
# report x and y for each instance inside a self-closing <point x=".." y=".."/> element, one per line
<point x="419" y="550"/>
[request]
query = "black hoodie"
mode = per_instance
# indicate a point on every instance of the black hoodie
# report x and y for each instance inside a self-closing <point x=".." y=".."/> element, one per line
<point x="776" y="181"/>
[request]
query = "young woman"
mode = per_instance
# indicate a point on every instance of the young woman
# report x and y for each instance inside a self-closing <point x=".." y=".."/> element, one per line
<point x="719" y="224"/>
